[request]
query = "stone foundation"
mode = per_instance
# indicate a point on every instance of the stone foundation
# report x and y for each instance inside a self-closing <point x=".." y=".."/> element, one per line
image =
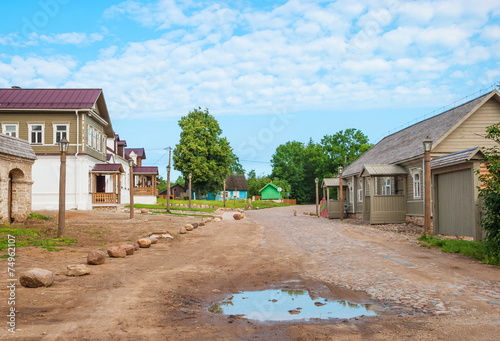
<point x="105" y="208"/>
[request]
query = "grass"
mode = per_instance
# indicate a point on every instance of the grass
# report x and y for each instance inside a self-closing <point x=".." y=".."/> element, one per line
<point x="467" y="248"/>
<point x="175" y="208"/>
<point x="31" y="237"/>
<point x="240" y="203"/>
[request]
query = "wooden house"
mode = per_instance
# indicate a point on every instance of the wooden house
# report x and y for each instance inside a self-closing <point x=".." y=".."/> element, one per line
<point x="176" y="192"/>
<point x="386" y="184"/>
<point x="97" y="167"/>
<point x="236" y="188"/>
<point x="16" y="161"/>
<point x="270" y="192"/>
<point x="145" y="190"/>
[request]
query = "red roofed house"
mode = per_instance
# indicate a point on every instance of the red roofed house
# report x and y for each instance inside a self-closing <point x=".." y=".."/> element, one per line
<point x="97" y="167"/>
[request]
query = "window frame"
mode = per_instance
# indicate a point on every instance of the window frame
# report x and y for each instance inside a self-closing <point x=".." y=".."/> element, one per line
<point x="31" y="131"/>
<point x="55" y="125"/>
<point x="417" y="186"/>
<point x="360" y="190"/>
<point x="4" y="129"/>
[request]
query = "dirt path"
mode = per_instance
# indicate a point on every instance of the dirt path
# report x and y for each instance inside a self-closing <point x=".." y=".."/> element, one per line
<point x="164" y="292"/>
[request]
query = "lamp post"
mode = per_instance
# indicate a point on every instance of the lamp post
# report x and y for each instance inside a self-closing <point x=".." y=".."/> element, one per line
<point x="168" y="179"/>
<point x="63" y="148"/>
<point x="131" y="164"/>
<point x="190" y="176"/>
<point x="341" y="193"/>
<point x="317" y="198"/>
<point x="427" y="183"/>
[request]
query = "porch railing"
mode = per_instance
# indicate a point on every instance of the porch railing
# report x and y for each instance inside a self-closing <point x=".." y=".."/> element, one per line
<point x="104" y="198"/>
<point x="144" y="191"/>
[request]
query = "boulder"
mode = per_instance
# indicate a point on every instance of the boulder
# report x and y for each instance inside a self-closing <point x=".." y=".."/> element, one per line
<point x="36" y="277"/>
<point x="154" y="240"/>
<point x="238" y="216"/>
<point x="195" y="225"/>
<point x="217" y="219"/>
<point x="182" y="230"/>
<point x="77" y="270"/>
<point x="218" y="216"/>
<point x="160" y="235"/>
<point x="129" y="249"/>
<point x="189" y="227"/>
<point x="144" y="211"/>
<point x="96" y="257"/>
<point x="144" y="242"/>
<point x="201" y="223"/>
<point x="116" y="252"/>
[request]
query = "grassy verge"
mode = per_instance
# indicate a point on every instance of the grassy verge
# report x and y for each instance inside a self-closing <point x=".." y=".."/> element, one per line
<point x="464" y="247"/>
<point x="31" y="237"/>
<point x="175" y="208"/>
<point x="241" y="203"/>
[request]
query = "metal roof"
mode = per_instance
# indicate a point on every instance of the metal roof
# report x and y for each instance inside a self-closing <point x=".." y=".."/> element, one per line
<point x="140" y="152"/>
<point x="381" y="170"/>
<point x="332" y="182"/>
<point x="107" y="168"/>
<point x="146" y="170"/>
<point x="458" y="157"/>
<point x="13" y="146"/>
<point x="48" y="98"/>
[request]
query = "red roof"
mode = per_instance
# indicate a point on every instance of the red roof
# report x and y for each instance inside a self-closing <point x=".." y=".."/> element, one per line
<point x="146" y="170"/>
<point x="48" y="98"/>
<point x="138" y="151"/>
<point x="107" y="168"/>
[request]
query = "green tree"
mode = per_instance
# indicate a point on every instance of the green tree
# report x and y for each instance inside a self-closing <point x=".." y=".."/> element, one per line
<point x="344" y="147"/>
<point x="161" y="184"/>
<point x="490" y="194"/>
<point x="202" y="151"/>
<point x="236" y="167"/>
<point x="180" y="181"/>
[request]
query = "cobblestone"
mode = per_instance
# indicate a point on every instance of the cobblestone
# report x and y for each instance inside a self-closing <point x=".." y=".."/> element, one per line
<point x="407" y="282"/>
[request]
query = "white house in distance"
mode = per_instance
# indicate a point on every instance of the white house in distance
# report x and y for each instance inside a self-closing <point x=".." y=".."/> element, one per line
<point x="97" y="173"/>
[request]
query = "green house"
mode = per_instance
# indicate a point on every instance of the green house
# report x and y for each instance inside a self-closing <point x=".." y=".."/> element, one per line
<point x="270" y="192"/>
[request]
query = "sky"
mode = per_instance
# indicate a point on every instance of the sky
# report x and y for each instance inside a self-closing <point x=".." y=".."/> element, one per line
<point x="269" y="71"/>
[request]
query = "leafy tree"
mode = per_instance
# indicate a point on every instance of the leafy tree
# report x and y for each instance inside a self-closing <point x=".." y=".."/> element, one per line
<point x="236" y="167"/>
<point x="180" y="181"/>
<point x="202" y="151"/>
<point x="344" y="147"/>
<point x="490" y="193"/>
<point x="161" y="184"/>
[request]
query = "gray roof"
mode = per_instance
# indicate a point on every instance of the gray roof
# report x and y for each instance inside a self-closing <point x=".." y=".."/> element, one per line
<point x="236" y="182"/>
<point x="381" y="170"/>
<point x="17" y="147"/>
<point x="458" y="157"/>
<point x="407" y="143"/>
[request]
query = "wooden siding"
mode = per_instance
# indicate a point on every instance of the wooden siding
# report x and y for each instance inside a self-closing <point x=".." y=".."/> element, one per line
<point x="334" y="209"/>
<point x="48" y="120"/>
<point x="455" y="203"/>
<point x="470" y="133"/>
<point x="388" y="209"/>
<point x="91" y="151"/>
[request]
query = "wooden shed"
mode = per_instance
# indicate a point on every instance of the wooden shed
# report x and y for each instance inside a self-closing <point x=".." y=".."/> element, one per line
<point x="270" y="192"/>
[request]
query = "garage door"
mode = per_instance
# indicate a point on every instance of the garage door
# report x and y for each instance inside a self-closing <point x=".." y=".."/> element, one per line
<point x="455" y="195"/>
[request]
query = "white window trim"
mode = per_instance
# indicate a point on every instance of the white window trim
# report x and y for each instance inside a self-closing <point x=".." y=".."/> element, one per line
<point x="4" y="130"/>
<point x="30" y="131"/>
<point x="360" y="190"/>
<point x="413" y="172"/>
<point x="54" y="128"/>
<point x="387" y="189"/>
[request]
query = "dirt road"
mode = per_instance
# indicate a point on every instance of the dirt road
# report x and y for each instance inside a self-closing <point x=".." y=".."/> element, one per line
<point x="165" y="292"/>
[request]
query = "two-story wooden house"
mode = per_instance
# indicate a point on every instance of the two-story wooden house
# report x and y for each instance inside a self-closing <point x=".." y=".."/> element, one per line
<point x="43" y="117"/>
<point x="386" y="184"/>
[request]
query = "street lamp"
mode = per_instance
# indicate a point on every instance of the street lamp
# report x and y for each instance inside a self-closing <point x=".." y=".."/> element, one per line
<point x="131" y="166"/>
<point x="427" y="183"/>
<point x="190" y="176"/>
<point x="317" y="198"/>
<point x="168" y="179"/>
<point x="63" y="148"/>
<point x="341" y="193"/>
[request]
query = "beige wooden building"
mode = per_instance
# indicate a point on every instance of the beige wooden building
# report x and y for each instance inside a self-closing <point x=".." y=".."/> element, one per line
<point x="386" y="184"/>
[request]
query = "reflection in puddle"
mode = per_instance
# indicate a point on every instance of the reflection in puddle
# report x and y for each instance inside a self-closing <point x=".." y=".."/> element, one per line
<point x="286" y="305"/>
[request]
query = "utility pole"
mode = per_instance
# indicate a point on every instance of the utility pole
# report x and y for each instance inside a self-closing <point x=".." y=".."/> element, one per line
<point x="168" y="179"/>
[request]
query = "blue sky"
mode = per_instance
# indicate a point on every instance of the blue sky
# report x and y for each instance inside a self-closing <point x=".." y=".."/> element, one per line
<point x="269" y="71"/>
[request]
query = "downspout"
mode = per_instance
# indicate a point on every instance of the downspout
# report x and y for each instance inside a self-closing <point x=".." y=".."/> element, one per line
<point x="76" y="157"/>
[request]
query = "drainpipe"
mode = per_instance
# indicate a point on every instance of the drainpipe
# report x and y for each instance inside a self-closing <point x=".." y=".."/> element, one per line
<point x="76" y="156"/>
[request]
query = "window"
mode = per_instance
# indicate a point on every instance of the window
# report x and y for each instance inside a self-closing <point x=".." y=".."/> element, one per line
<point x="60" y="131"/>
<point x="417" y="189"/>
<point x="11" y="130"/>
<point x="351" y="192"/>
<point x="360" y="190"/>
<point x="387" y="188"/>
<point x="36" y="133"/>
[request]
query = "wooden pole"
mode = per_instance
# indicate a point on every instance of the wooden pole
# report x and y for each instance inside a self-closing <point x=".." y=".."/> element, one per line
<point x="62" y="197"/>
<point x="131" y="190"/>
<point x="341" y="196"/>
<point x="168" y="179"/>
<point x="427" y="193"/>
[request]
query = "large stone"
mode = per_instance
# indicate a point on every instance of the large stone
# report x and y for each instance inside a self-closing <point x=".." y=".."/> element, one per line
<point x="144" y="211"/>
<point x="182" y="230"/>
<point x="238" y="216"/>
<point x="201" y="223"/>
<point x="144" y="242"/>
<point x="189" y="227"/>
<point x="195" y="225"/>
<point x="218" y="217"/>
<point x="36" y="277"/>
<point x="129" y="249"/>
<point x="159" y="235"/>
<point x="77" y="270"/>
<point x="154" y="240"/>
<point x="96" y="258"/>
<point x="116" y="252"/>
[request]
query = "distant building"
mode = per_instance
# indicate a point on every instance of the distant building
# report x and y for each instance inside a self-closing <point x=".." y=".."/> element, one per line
<point x="270" y="192"/>
<point x="236" y="188"/>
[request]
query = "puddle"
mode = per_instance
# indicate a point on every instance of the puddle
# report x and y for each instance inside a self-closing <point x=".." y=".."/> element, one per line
<point x="287" y="305"/>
